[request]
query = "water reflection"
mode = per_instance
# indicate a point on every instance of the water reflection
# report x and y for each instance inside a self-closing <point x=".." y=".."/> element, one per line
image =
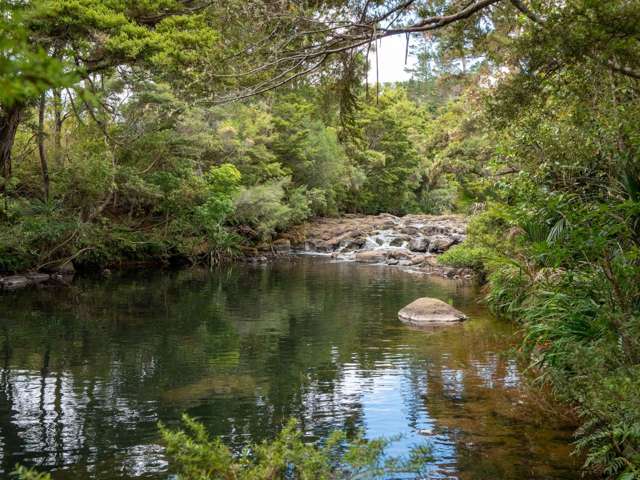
<point x="88" y="372"/>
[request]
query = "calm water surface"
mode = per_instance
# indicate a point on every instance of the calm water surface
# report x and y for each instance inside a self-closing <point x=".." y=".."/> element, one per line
<point x="87" y="372"/>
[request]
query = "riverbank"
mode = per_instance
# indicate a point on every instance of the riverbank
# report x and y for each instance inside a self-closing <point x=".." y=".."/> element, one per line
<point x="413" y="242"/>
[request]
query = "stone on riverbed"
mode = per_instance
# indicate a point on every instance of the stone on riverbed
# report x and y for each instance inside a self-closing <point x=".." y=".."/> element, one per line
<point x="14" y="282"/>
<point x="37" y="277"/>
<point x="281" y="246"/>
<point x="371" y="256"/>
<point x="441" y="243"/>
<point x="430" y="311"/>
<point x="419" y="244"/>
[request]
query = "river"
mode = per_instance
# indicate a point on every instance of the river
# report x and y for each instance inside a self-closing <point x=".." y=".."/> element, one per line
<point x="88" y="371"/>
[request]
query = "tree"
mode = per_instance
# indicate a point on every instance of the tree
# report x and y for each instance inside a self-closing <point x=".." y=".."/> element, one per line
<point x="51" y="43"/>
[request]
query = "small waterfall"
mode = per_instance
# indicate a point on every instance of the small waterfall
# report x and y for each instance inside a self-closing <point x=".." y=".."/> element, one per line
<point x="413" y="241"/>
<point x="384" y="238"/>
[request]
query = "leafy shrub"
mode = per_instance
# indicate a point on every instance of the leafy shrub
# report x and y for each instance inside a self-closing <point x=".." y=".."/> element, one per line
<point x="587" y="350"/>
<point x="23" y="473"/>
<point x="35" y="232"/>
<point x="466" y="256"/>
<point x="196" y="456"/>
<point x="438" y="201"/>
<point x="508" y="289"/>
<point x="263" y="207"/>
<point x="268" y="208"/>
<point x="576" y="291"/>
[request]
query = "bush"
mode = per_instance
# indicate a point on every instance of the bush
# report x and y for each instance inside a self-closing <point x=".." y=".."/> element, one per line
<point x="23" y="473"/>
<point x="196" y="456"/>
<point x="269" y="207"/>
<point x="576" y="291"/>
<point x="588" y="351"/>
<point x="467" y="256"/>
<point x="508" y="286"/>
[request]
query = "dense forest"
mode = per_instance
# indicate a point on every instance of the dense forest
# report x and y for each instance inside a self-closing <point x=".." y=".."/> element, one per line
<point x="188" y="131"/>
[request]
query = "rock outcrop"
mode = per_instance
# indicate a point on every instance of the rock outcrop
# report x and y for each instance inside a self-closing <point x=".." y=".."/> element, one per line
<point x="430" y="311"/>
<point x="282" y="245"/>
<point x="372" y="256"/>
<point x="14" y="282"/>
<point x="61" y="274"/>
<point x="411" y="241"/>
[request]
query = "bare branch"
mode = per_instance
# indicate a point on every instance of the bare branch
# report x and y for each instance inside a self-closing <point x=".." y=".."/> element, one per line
<point x="306" y="49"/>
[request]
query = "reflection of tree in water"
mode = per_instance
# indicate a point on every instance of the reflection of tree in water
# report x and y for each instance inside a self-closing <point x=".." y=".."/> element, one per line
<point x="87" y="372"/>
<point x="477" y="400"/>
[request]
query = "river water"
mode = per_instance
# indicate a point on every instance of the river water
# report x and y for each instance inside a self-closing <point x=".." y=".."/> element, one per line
<point x="87" y="372"/>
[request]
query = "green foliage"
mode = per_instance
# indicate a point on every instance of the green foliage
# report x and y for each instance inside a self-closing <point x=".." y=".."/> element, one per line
<point x="386" y="154"/>
<point x="196" y="456"/>
<point x="23" y="473"/>
<point x="268" y="207"/>
<point x="573" y="283"/>
<point x="220" y="184"/>
<point x="30" y="232"/>
<point x="466" y="256"/>
<point x="25" y="72"/>
<point x="586" y="343"/>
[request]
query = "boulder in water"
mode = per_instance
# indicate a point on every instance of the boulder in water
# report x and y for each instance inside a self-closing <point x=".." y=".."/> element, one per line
<point x="37" y="277"/>
<point x="440" y="243"/>
<point x="371" y="256"/>
<point x="400" y="253"/>
<point x="430" y="311"/>
<point x="14" y="282"/>
<point x="414" y="260"/>
<point x="419" y="244"/>
<point x="281" y="245"/>
<point x="353" y="243"/>
<point x="399" y="241"/>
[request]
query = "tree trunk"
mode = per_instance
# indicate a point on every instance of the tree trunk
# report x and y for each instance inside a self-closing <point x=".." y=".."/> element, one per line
<point x="57" y="126"/>
<point x="9" y="121"/>
<point x="41" y="150"/>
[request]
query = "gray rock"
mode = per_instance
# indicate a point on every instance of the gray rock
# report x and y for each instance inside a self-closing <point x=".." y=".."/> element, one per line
<point x="419" y="244"/>
<point x="61" y="278"/>
<point x="371" y="256"/>
<point x="430" y="311"/>
<point x="458" y="238"/>
<point x="398" y="241"/>
<point x="14" y="282"/>
<point x="400" y="253"/>
<point x="281" y="245"/>
<point x="430" y="230"/>
<point x="416" y="259"/>
<point x="353" y="243"/>
<point x="313" y="246"/>
<point x="440" y="243"/>
<point x="38" y="277"/>
<point x="411" y="231"/>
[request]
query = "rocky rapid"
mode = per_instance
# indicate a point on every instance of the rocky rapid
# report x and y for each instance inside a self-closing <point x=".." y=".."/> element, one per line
<point x="413" y="241"/>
